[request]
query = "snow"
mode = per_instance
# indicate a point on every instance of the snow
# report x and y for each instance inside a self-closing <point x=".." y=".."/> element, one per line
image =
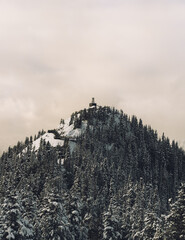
<point x="60" y="161"/>
<point x="109" y="146"/>
<point x="65" y="130"/>
<point x="108" y="228"/>
<point x="72" y="146"/>
<point x="48" y="137"/>
<point x="69" y="131"/>
<point x="10" y="234"/>
<point x="93" y="106"/>
<point x="75" y="212"/>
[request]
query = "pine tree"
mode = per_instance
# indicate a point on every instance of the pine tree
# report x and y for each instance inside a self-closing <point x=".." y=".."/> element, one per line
<point x="13" y="225"/>
<point x="53" y="223"/>
<point x="111" y="222"/>
<point x="151" y="222"/>
<point x="74" y="210"/>
<point x="175" y="221"/>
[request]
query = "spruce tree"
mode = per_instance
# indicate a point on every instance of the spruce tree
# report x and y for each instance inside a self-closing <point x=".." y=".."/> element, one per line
<point x="175" y="221"/>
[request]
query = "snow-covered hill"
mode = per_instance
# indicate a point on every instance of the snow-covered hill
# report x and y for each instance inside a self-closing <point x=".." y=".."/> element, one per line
<point x="106" y="176"/>
<point x="56" y="137"/>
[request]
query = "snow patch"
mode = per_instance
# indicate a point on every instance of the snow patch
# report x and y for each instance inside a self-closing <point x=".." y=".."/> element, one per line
<point x="65" y="130"/>
<point x="48" y="137"/>
<point x="72" y="146"/>
<point x="68" y="130"/>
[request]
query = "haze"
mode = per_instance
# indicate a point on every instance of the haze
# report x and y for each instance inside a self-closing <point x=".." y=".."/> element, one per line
<point x="56" y="55"/>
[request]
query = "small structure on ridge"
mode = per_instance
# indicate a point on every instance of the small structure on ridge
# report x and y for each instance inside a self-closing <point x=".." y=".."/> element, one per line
<point x="92" y="104"/>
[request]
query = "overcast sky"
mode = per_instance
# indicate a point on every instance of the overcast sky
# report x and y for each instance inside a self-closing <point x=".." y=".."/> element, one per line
<point x="57" y="54"/>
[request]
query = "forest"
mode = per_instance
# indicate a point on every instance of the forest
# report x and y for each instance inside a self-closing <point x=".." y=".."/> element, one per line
<point x="116" y="180"/>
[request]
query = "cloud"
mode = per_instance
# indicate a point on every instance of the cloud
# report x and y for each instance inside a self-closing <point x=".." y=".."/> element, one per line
<point x="56" y="55"/>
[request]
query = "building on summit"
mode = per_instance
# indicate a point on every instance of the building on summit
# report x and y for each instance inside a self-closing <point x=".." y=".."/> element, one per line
<point x="92" y="104"/>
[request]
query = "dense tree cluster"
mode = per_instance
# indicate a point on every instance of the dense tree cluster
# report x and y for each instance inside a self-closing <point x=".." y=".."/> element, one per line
<point x="115" y="184"/>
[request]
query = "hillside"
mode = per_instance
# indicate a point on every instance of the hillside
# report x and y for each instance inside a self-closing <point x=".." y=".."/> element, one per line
<point x="98" y="175"/>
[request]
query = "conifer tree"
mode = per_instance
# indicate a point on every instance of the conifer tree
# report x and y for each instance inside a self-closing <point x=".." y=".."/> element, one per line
<point x="53" y="221"/>
<point x="175" y="221"/>
<point x="12" y="224"/>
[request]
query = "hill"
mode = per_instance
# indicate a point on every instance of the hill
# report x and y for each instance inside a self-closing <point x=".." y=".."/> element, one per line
<point x="98" y="175"/>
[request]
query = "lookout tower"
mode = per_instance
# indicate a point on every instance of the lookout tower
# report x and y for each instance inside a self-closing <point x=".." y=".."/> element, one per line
<point x="92" y="104"/>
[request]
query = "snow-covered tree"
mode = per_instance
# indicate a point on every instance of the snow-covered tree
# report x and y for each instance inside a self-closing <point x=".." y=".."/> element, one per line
<point x="175" y="221"/>
<point x="12" y="224"/>
<point x="53" y="223"/>
<point x="151" y="222"/>
<point x="112" y="225"/>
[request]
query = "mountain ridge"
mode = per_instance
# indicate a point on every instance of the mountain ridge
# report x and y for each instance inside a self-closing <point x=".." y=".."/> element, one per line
<point x="98" y="175"/>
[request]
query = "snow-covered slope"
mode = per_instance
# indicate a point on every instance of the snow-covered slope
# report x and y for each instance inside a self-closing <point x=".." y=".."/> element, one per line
<point x="47" y="137"/>
<point x="67" y="130"/>
<point x="64" y="130"/>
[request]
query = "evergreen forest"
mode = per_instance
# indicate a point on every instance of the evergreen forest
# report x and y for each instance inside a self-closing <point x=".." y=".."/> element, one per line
<point x="113" y="179"/>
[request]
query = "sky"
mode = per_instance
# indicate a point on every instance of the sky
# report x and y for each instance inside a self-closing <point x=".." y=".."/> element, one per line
<point x="55" y="55"/>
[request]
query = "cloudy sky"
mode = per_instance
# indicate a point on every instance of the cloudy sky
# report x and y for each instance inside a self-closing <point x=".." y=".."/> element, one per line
<point x="57" y="54"/>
